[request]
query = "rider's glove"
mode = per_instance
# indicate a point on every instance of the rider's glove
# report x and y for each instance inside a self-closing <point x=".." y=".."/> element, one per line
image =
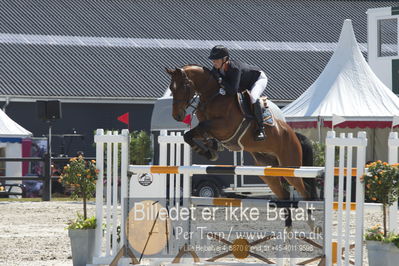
<point x="220" y="80"/>
<point x="222" y="91"/>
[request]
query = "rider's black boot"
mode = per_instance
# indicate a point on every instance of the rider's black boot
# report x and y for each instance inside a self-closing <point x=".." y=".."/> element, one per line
<point x="260" y="131"/>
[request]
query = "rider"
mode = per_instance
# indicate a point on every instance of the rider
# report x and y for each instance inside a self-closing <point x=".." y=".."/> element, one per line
<point x="234" y="76"/>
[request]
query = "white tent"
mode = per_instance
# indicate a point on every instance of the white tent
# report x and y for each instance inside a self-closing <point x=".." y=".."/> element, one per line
<point x="349" y="88"/>
<point x="11" y="135"/>
<point x="9" y="128"/>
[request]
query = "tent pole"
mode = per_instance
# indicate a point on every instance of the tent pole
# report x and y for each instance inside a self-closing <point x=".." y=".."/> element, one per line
<point x="319" y="128"/>
<point x="374" y="159"/>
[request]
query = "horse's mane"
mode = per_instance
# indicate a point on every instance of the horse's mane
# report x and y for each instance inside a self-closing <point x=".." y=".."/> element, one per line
<point x="203" y="67"/>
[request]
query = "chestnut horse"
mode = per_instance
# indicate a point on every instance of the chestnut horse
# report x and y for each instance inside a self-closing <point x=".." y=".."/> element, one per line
<point x="219" y="117"/>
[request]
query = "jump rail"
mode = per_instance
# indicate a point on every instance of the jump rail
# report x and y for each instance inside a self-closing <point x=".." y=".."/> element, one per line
<point x="304" y="172"/>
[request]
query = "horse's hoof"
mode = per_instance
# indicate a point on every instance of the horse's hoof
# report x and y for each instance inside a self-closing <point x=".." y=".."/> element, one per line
<point x="313" y="228"/>
<point x="213" y="144"/>
<point x="212" y="155"/>
<point x="311" y="225"/>
<point x="317" y="230"/>
<point x="220" y="147"/>
<point x="288" y="229"/>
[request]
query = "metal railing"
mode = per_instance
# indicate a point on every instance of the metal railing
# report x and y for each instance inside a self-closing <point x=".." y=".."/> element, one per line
<point x="46" y="178"/>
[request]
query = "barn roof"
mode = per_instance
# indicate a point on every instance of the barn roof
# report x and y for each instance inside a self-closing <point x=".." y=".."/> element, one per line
<point x="90" y="49"/>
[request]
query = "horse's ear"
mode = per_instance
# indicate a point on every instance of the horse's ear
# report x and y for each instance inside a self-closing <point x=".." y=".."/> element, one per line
<point x="169" y="71"/>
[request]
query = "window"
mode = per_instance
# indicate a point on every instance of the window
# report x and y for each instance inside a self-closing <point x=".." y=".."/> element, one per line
<point x="387" y="37"/>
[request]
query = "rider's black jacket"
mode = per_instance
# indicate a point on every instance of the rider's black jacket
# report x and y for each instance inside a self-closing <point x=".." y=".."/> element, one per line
<point x="238" y="77"/>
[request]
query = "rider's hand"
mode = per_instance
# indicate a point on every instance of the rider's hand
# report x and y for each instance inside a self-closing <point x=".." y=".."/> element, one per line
<point x="222" y="91"/>
<point x="220" y="80"/>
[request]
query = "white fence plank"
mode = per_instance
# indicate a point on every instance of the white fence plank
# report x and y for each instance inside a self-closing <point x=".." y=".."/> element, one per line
<point x="348" y="201"/>
<point x="361" y="161"/>
<point x="329" y="196"/>
<point x="99" y="193"/>
<point x="393" y="144"/>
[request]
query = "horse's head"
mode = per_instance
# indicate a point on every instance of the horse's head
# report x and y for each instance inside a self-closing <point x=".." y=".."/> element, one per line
<point x="182" y="91"/>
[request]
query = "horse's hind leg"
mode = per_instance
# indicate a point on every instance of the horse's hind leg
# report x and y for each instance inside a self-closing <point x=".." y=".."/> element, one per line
<point x="298" y="183"/>
<point x="307" y="160"/>
<point x="294" y="158"/>
<point x="274" y="183"/>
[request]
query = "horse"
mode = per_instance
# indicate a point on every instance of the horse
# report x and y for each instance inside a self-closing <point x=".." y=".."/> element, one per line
<point x="219" y="117"/>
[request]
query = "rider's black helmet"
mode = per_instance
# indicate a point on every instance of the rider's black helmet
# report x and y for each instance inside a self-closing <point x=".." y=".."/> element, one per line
<point x="218" y="52"/>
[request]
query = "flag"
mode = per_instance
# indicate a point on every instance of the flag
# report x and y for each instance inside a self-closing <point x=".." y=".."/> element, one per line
<point x="336" y="119"/>
<point x="187" y="120"/>
<point x="395" y="121"/>
<point x="124" y="118"/>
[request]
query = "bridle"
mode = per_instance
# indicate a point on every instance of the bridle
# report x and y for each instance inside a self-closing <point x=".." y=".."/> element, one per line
<point x="187" y="89"/>
<point x="191" y="102"/>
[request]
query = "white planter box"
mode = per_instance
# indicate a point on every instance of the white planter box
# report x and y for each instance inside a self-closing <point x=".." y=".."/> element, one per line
<point x="380" y="253"/>
<point x="82" y="245"/>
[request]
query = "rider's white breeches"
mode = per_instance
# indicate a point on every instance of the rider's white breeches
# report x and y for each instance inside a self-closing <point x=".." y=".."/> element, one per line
<point x="258" y="87"/>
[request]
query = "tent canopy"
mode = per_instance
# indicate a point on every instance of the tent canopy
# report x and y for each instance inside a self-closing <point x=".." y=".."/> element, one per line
<point x="10" y="129"/>
<point x="346" y="87"/>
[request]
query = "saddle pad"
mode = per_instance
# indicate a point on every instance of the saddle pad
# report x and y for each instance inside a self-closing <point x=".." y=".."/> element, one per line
<point x="268" y="119"/>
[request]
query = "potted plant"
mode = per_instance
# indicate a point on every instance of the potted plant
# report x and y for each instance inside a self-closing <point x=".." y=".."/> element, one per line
<point x="382" y="185"/>
<point x="81" y="175"/>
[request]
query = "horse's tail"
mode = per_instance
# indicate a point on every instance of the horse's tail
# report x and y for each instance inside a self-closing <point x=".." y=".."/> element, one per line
<point x="307" y="160"/>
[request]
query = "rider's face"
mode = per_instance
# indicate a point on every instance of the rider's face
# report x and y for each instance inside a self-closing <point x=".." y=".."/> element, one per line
<point x="218" y="63"/>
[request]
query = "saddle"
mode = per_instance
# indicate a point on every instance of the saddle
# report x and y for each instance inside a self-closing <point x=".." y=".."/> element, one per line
<point x="244" y="102"/>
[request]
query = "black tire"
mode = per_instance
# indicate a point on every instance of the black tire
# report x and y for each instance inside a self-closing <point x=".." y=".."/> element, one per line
<point x="207" y="189"/>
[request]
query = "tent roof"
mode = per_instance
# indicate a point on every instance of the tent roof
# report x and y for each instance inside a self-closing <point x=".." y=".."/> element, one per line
<point x="346" y="87"/>
<point x="9" y="128"/>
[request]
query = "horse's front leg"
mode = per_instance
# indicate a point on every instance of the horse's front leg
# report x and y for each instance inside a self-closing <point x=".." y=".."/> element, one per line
<point x="198" y="138"/>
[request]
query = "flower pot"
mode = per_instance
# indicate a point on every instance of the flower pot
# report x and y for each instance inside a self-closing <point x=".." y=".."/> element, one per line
<point x="82" y="245"/>
<point x="380" y="253"/>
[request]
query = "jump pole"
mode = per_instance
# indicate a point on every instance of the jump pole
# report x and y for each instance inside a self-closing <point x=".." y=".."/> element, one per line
<point x="302" y="172"/>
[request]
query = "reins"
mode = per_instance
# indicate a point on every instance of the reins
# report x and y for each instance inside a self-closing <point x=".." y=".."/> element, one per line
<point x="187" y="87"/>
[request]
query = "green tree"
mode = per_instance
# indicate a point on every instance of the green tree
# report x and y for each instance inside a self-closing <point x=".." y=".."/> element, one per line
<point x="82" y="176"/>
<point x="382" y="185"/>
<point x="140" y="151"/>
<point x="319" y="158"/>
<point x="140" y="148"/>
